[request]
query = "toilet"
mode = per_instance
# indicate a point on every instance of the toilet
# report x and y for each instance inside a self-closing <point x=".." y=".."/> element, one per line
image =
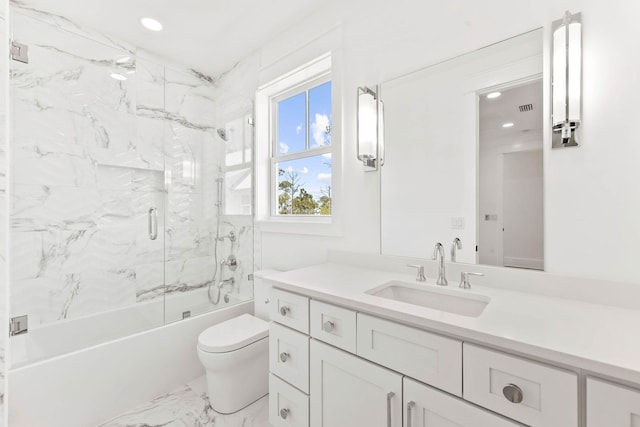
<point x="235" y="354"/>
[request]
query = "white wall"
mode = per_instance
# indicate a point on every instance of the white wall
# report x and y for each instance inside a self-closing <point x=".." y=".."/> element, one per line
<point x="591" y="196"/>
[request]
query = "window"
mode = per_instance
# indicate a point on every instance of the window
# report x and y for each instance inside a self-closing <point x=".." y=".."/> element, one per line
<point x="298" y="150"/>
<point x="301" y="150"/>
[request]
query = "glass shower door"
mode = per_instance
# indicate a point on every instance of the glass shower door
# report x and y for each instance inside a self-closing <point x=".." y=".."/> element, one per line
<point x="88" y="192"/>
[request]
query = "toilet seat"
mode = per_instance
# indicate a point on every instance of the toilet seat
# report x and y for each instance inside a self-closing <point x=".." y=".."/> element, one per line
<point x="233" y="334"/>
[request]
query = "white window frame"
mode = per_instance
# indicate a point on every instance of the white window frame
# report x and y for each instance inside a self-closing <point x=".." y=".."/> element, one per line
<point x="304" y="77"/>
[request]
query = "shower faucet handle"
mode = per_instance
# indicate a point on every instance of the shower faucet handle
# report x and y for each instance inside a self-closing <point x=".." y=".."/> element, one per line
<point x="284" y="310"/>
<point x="284" y="413"/>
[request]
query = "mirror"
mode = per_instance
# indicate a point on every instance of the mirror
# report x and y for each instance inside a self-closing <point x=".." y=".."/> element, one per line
<point x="453" y="171"/>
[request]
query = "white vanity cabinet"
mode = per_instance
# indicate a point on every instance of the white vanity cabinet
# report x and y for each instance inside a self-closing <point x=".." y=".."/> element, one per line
<point x="336" y="367"/>
<point x="610" y="405"/>
<point x="347" y="391"/>
<point x="425" y="406"/>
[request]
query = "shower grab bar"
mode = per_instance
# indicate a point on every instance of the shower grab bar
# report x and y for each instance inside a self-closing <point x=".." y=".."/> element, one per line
<point x="153" y="223"/>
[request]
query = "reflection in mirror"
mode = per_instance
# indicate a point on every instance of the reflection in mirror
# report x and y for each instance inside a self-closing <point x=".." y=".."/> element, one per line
<point x="510" y="188"/>
<point x="429" y="184"/>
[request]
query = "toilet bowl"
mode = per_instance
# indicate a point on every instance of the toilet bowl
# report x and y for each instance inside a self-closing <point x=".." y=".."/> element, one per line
<point x="235" y="354"/>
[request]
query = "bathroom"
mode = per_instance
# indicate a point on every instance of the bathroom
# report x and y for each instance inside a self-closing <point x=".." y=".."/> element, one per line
<point x="137" y="209"/>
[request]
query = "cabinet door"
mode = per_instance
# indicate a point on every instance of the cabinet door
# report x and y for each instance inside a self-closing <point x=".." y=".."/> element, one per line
<point x="428" y="407"/>
<point x="611" y="405"/>
<point x="347" y="391"/>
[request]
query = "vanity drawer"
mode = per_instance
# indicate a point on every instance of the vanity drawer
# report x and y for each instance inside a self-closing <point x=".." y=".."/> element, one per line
<point x="427" y="357"/>
<point x="333" y="325"/>
<point x="289" y="356"/>
<point x="290" y="309"/>
<point x="540" y="395"/>
<point x="288" y="407"/>
<point x="612" y="405"/>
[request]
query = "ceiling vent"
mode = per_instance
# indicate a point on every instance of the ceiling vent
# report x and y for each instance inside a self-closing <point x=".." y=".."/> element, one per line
<point x="525" y="107"/>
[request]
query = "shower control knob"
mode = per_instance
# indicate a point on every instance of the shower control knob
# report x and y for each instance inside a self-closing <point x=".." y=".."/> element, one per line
<point x="328" y="326"/>
<point x="513" y="393"/>
<point x="284" y="310"/>
<point x="284" y="413"/>
<point x="284" y="356"/>
<point x="267" y="301"/>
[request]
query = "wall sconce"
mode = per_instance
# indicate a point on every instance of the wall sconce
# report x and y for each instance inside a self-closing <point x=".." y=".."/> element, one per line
<point x="370" y="128"/>
<point x="566" y="79"/>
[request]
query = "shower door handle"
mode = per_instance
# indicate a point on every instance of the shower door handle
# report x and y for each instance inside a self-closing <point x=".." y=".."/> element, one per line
<point x="153" y="223"/>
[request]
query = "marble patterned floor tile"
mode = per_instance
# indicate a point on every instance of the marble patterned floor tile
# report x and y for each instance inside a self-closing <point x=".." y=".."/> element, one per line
<point x="188" y="406"/>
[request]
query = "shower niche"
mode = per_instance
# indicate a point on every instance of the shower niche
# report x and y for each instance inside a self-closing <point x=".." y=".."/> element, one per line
<point x="131" y="174"/>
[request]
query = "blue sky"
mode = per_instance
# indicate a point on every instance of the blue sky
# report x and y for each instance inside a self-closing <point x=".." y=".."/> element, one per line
<point x="293" y="130"/>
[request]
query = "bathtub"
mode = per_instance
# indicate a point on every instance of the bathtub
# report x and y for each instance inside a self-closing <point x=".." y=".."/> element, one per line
<point x="87" y="386"/>
<point x="43" y="342"/>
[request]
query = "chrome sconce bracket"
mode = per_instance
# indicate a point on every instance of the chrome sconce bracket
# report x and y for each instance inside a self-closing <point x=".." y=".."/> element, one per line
<point x="566" y="74"/>
<point x="369" y="128"/>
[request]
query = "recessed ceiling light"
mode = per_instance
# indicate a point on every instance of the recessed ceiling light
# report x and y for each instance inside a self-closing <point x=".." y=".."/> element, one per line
<point x="151" y="24"/>
<point x="118" y="76"/>
<point x="494" y="95"/>
<point x="507" y="125"/>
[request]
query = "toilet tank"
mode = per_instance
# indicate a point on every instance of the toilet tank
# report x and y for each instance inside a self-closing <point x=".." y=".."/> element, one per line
<point x="262" y="293"/>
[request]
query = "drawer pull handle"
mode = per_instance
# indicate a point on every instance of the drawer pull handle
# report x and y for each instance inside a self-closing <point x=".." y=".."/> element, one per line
<point x="284" y="356"/>
<point x="513" y="393"/>
<point x="284" y="310"/>
<point x="410" y="406"/>
<point x="284" y="413"/>
<point x="389" y="397"/>
<point x="328" y="326"/>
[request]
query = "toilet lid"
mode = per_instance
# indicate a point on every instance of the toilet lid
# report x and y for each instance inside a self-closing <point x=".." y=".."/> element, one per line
<point x="233" y="334"/>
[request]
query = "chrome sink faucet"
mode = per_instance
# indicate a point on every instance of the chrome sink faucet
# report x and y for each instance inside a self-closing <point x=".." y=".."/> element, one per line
<point x="455" y="246"/>
<point x="442" y="275"/>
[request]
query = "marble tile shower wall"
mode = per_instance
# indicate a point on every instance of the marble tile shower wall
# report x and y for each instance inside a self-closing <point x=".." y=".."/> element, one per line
<point x="3" y="208"/>
<point x="92" y="154"/>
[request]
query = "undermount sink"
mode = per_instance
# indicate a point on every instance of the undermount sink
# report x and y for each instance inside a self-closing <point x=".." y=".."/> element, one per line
<point x="451" y="301"/>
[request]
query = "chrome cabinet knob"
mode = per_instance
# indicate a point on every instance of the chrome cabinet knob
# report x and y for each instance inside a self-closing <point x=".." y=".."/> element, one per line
<point x="513" y="393"/>
<point x="284" y="356"/>
<point x="284" y="310"/>
<point x="328" y="326"/>
<point x="284" y="413"/>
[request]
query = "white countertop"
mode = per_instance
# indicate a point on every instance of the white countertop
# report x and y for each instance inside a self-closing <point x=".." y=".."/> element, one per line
<point x="597" y="338"/>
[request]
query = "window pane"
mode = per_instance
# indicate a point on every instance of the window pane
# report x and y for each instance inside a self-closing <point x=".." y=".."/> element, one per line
<point x="292" y="124"/>
<point x="304" y="186"/>
<point x="320" y="115"/>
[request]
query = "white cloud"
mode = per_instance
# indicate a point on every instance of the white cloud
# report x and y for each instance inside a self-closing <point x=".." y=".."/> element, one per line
<point x="322" y="176"/>
<point x="319" y="129"/>
<point x="284" y="148"/>
<point x="290" y="169"/>
<point x="304" y="170"/>
<point x="298" y="129"/>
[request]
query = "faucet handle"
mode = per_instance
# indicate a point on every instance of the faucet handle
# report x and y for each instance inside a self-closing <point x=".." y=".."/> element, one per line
<point x="464" y="279"/>
<point x="420" y="277"/>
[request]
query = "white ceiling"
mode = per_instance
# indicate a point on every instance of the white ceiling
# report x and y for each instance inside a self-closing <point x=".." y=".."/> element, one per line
<point x="207" y="35"/>
<point x="504" y="109"/>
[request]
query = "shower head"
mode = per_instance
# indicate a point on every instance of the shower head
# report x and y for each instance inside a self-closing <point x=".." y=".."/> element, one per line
<point x="222" y="134"/>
